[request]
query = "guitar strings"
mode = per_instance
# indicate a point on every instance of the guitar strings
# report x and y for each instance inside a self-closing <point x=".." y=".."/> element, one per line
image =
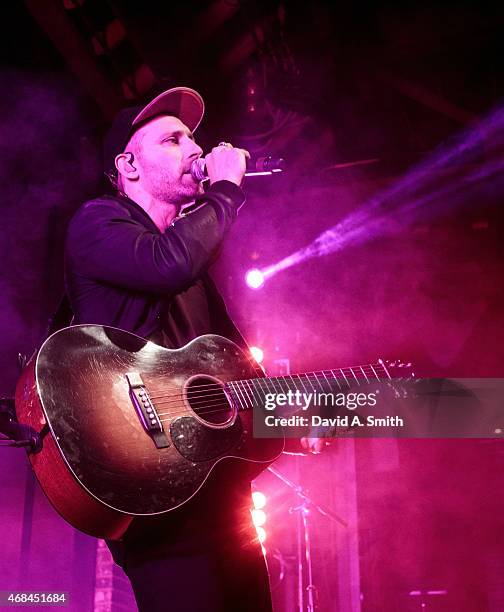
<point x="217" y="391"/>
<point x="371" y="369"/>
<point x="208" y="397"/>
<point x="213" y="400"/>
<point x="216" y="401"/>
<point x="202" y="388"/>
<point x="195" y="400"/>
<point x="247" y="399"/>
<point x="219" y="407"/>
<point x="199" y="414"/>
<point x="244" y="389"/>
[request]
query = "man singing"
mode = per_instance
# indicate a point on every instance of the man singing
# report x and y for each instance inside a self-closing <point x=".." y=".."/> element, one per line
<point x="135" y="261"/>
<point x="138" y="260"/>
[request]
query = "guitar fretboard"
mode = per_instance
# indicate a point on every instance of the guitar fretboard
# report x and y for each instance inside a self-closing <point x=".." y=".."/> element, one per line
<point x="251" y="393"/>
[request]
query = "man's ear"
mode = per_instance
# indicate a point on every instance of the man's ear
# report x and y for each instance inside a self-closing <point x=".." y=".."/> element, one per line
<point x="124" y="162"/>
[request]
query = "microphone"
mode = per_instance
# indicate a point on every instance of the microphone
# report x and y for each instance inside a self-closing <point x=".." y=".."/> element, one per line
<point x="262" y="166"/>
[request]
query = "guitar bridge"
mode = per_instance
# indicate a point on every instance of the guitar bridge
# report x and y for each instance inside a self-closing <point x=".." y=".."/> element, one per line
<point x="146" y="410"/>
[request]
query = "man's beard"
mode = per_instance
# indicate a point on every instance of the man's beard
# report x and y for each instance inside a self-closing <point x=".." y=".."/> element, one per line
<point x="174" y="190"/>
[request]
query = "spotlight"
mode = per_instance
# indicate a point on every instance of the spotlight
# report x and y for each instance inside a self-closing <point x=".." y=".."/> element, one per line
<point x="254" y="278"/>
<point x="258" y="517"/>
<point x="259" y="499"/>
<point x="257" y="353"/>
<point x="432" y="188"/>
<point x="261" y="534"/>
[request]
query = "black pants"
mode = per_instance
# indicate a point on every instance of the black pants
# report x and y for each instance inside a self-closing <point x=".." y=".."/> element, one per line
<point x="208" y="582"/>
<point x="201" y="557"/>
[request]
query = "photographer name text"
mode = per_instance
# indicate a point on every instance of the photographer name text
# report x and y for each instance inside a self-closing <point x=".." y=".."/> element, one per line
<point x="338" y="421"/>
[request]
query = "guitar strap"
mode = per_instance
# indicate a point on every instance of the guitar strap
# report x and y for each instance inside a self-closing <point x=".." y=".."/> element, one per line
<point x="62" y="317"/>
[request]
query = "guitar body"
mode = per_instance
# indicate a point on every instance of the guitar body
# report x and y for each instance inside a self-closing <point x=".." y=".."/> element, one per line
<point x="100" y="465"/>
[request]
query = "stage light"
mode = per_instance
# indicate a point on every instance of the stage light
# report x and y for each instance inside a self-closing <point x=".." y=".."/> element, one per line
<point x="259" y="499"/>
<point x="257" y="353"/>
<point x="258" y="517"/>
<point x="261" y="534"/>
<point x="435" y="186"/>
<point x="254" y="278"/>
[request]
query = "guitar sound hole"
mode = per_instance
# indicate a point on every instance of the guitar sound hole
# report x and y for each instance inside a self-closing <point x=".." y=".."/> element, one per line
<point x="208" y="400"/>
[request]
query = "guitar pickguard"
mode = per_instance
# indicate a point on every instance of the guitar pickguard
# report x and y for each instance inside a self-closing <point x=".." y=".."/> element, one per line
<point x="197" y="442"/>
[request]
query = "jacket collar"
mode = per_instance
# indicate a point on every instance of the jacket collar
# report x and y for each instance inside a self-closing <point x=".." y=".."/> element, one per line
<point x="136" y="210"/>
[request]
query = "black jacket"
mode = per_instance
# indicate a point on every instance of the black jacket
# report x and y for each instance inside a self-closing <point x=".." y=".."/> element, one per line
<point x="120" y="270"/>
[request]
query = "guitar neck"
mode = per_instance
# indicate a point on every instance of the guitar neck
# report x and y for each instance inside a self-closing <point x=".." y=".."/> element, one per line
<point x="252" y="393"/>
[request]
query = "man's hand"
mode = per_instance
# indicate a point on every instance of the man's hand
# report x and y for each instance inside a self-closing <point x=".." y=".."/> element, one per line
<point x="225" y="163"/>
<point x="314" y="445"/>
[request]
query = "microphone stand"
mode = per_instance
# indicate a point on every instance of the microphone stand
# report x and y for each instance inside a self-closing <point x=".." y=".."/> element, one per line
<point x="303" y="511"/>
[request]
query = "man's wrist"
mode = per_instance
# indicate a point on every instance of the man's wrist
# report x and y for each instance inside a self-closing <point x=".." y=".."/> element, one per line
<point x="228" y="189"/>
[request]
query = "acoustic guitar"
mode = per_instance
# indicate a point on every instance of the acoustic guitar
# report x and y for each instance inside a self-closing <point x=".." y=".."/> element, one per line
<point x="133" y="429"/>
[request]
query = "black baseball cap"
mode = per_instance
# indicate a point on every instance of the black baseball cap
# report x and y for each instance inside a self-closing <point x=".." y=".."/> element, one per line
<point x="182" y="102"/>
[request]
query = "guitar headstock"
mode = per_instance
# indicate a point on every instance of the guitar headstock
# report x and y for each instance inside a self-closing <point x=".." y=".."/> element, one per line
<point x="397" y="368"/>
<point x="399" y="371"/>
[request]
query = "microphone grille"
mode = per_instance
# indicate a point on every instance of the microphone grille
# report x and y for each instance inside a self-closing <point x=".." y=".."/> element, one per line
<point x="198" y="169"/>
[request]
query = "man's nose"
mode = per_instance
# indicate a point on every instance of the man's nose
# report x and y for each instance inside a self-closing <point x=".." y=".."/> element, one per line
<point x="194" y="150"/>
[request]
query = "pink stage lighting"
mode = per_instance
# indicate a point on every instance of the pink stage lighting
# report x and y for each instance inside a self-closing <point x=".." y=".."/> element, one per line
<point x="259" y="499"/>
<point x="261" y="534"/>
<point x="254" y="278"/>
<point x="258" y="517"/>
<point x="257" y="353"/>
